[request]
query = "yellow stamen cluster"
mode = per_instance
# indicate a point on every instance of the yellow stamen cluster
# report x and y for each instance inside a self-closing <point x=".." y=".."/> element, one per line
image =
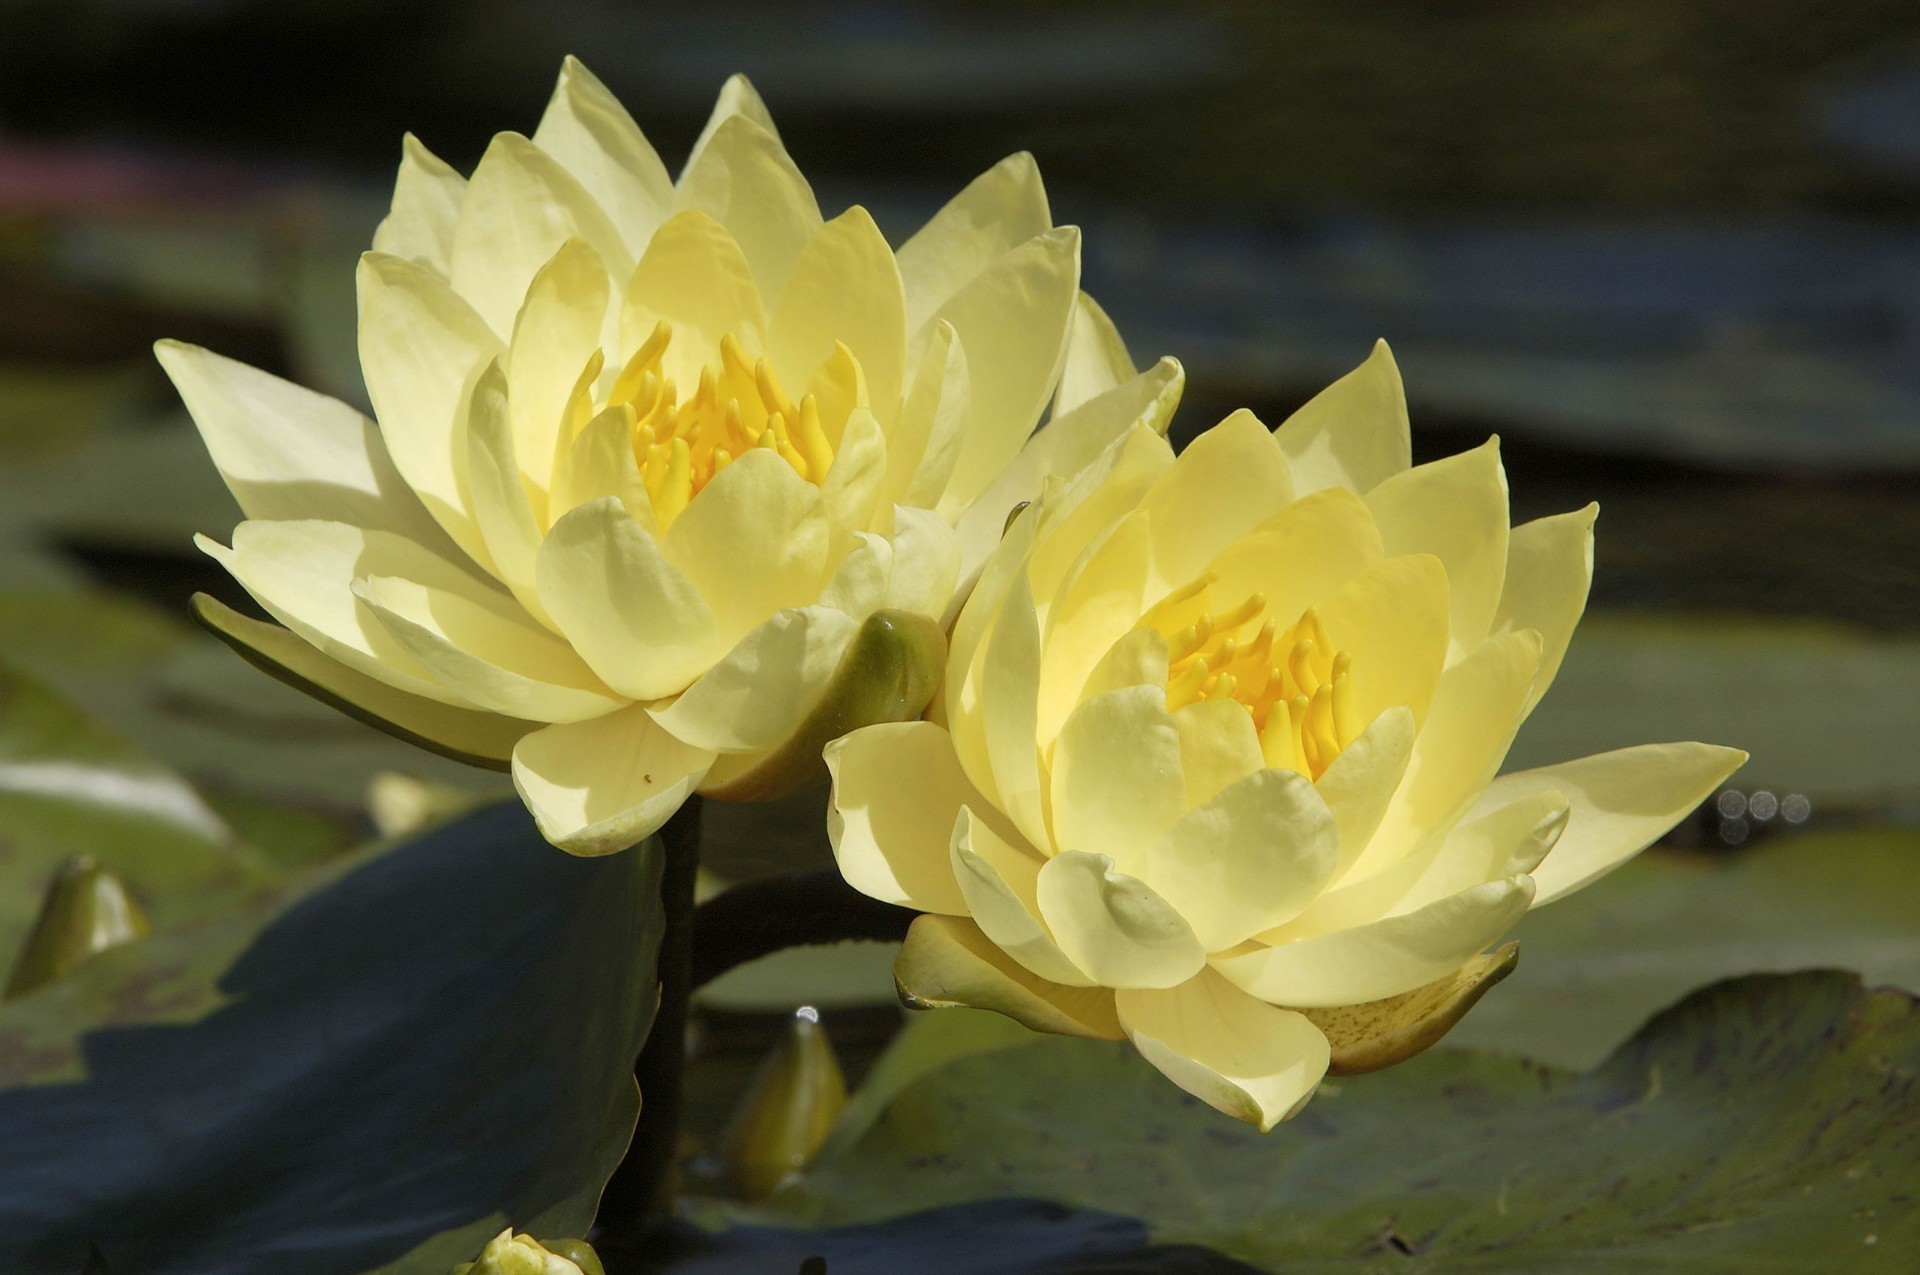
<point x="681" y="445"/>
<point x="1296" y="686"/>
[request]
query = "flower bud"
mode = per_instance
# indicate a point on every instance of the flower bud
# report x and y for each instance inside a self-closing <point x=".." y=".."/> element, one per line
<point x="87" y="910"/>
<point x="510" y="1254"/>
<point x="791" y="1106"/>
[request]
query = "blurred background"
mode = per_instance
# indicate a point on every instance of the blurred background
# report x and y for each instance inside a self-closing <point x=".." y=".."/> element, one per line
<point x="1669" y="250"/>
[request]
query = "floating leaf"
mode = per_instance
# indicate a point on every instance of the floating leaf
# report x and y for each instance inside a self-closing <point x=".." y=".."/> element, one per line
<point x="1768" y="1120"/>
<point x="398" y="1058"/>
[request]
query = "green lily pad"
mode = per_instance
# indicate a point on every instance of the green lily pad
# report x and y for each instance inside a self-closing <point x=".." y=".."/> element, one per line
<point x="1593" y="966"/>
<point x="378" y="1070"/>
<point x="68" y="786"/>
<point x="1770" y="1122"/>
<point x="1825" y="711"/>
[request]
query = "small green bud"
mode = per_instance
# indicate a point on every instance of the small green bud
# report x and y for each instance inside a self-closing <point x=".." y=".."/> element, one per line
<point x="510" y="1254"/>
<point x="788" y="1110"/>
<point x="86" y="910"/>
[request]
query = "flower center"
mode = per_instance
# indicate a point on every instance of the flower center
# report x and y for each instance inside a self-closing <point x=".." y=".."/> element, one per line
<point x="681" y="444"/>
<point x="1296" y="686"/>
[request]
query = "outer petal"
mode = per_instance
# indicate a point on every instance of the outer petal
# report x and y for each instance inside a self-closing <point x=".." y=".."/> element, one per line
<point x="1117" y="778"/>
<point x="1239" y="1055"/>
<point x="1378" y="1034"/>
<point x="1010" y="681"/>
<point x="421" y="346"/>
<point x="925" y="442"/>
<point x="1000" y="880"/>
<point x="1461" y="745"/>
<point x="1455" y="509"/>
<point x="1248" y="860"/>
<point x="1068" y="444"/>
<point x="1381" y="959"/>
<point x="1097" y="359"/>
<point x="555" y="333"/>
<point x="1013" y="320"/>
<point x="594" y="138"/>
<point x="490" y="660"/>
<point x="502" y="507"/>
<point x="521" y="205"/>
<point x="1619" y="803"/>
<point x="603" y="785"/>
<point x="736" y="97"/>
<point x="741" y="176"/>
<point x="1114" y="926"/>
<point x="765" y="685"/>
<point x="752" y="542"/>
<point x="1549" y="568"/>
<point x="638" y="622"/>
<point x="897" y="791"/>
<point x="476" y="738"/>
<point x="947" y="962"/>
<point x="1352" y="434"/>
<point x="426" y="204"/>
<point x="844" y="290"/>
<point x="696" y="277"/>
<point x="288" y="453"/>
<point x="1227" y="481"/>
<point x="999" y="210"/>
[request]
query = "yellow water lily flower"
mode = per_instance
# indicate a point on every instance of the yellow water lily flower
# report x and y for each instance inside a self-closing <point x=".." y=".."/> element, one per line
<point x="510" y="1254"/>
<point x="672" y="479"/>
<point x="1214" y="765"/>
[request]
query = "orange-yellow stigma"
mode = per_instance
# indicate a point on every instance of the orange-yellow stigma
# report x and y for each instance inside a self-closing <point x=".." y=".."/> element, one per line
<point x="681" y="444"/>
<point x="1296" y="686"/>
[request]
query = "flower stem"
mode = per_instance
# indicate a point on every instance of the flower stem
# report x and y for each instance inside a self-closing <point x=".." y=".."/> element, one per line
<point x="803" y="909"/>
<point x="639" y="1197"/>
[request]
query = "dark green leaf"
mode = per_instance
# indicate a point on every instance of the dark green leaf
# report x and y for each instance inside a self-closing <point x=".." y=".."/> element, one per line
<point x="1771" y="1122"/>
<point x="380" y="1071"/>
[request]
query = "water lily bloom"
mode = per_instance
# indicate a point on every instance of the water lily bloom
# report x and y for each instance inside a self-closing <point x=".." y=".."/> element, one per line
<point x="1214" y="766"/>
<point x="510" y="1254"/>
<point x="672" y="480"/>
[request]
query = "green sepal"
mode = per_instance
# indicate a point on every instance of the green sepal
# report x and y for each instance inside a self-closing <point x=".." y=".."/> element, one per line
<point x="475" y="738"/>
<point x="947" y="961"/>
<point x="889" y="674"/>
<point x="1378" y="1034"/>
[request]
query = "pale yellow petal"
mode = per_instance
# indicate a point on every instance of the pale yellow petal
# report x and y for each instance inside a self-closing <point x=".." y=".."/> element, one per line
<point x="1068" y="444"/>
<point x="556" y="331"/>
<point x="1392" y="621"/>
<point x="851" y="489"/>
<point x="421" y="346"/>
<point x="1549" y="568"/>
<point x="1251" y="858"/>
<point x="925" y="442"/>
<point x="1101" y="602"/>
<point x="695" y="276"/>
<point x="1455" y="509"/>
<point x="1116" y="775"/>
<point x="947" y="963"/>
<point x="1137" y="659"/>
<point x="1493" y="842"/>
<point x="1360" y="783"/>
<point x="1009" y="685"/>
<point x="1384" y="958"/>
<point x="765" y="686"/>
<point x="1469" y="726"/>
<point x="736" y="97"/>
<point x="859" y="583"/>
<point x="1097" y="359"/>
<point x="1012" y="318"/>
<point x="1079" y="513"/>
<point x="1352" y="434"/>
<point x="1301" y="556"/>
<point x="1251" y="1060"/>
<point x="521" y="205"/>
<point x="1619" y="803"/>
<point x="998" y="211"/>
<point x="636" y="620"/>
<point x="600" y="786"/>
<point x="486" y="656"/>
<point x="742" y="177"/>
<point x="752" y="542"/>
<point x="897" y="792"/>
<point x="594" y="138"/>
<point x="1114" y="926"/>
<point x="1218" y="747"/>
<point x="600" y="462"/>
<point x="958" y="704"/>
<point x="1229" y="480"/>
<point x="844" y="290"/>
<point x="502" y="507"/>
<point x="288" y="453"/>
<point x="926" y="562"/>
<point x="426" y="205"/>
<point x="1000" y="880"/>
